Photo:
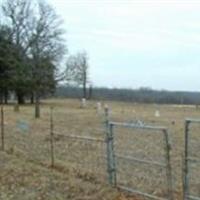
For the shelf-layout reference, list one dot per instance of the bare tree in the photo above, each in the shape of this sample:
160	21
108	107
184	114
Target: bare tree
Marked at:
46	50
77	71
38	37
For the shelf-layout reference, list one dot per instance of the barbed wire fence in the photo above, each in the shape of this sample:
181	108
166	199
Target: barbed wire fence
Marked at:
132	156
55	148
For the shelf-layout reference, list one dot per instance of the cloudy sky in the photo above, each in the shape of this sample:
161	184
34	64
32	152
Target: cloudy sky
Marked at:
134	43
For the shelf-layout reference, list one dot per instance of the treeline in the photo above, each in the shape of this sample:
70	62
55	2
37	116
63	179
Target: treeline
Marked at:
142	95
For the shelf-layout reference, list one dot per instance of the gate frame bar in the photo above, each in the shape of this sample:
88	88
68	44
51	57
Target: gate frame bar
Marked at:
167	165
187	160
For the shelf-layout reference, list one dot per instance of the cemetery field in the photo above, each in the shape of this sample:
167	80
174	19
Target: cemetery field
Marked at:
79	163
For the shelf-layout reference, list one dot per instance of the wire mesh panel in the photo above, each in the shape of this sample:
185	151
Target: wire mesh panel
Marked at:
192	159
84	154
142	159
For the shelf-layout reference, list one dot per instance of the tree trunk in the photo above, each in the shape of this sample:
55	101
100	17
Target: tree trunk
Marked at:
1	97
32	98
90	92
6	96
20	98
37	105
84	91
84	85
16	107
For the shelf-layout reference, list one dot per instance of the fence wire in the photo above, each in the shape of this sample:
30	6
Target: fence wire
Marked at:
138	153
31	140
85	154
32	146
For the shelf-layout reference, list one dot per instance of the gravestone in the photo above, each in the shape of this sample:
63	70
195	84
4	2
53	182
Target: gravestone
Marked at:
157	113
83	103
12	97
23	126
99	108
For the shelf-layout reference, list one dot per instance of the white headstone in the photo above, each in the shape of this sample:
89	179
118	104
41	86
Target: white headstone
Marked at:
157	113
12	96
83	103
99	107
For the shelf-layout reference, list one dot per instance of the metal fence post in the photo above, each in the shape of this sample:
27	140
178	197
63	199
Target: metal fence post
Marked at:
186	172
168	164
110	150
112	156
52	137
108	145
2	128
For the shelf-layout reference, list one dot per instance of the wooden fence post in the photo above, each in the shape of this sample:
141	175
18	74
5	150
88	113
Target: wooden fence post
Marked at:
52	137
168	165
2	128
110	149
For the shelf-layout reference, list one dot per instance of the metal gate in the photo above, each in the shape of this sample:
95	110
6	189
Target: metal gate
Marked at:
192	160
126	160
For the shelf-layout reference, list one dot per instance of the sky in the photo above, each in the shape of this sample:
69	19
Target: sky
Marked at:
136	43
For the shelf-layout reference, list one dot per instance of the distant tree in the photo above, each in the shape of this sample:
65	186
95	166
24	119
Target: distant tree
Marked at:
77	71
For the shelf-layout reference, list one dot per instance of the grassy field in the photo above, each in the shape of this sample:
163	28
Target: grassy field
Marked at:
80	165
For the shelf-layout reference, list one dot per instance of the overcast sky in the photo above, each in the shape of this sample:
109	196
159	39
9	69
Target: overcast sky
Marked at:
134	43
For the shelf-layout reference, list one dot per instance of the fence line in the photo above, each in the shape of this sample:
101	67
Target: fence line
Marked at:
76	149
103	153
78	137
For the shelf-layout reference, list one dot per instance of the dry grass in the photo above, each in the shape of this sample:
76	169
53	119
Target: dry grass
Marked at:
80	173
22	180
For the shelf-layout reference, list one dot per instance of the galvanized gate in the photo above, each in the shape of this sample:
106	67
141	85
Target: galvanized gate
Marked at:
192	160
126	160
